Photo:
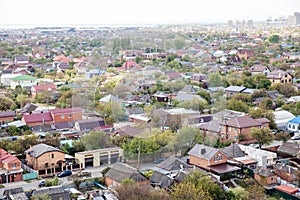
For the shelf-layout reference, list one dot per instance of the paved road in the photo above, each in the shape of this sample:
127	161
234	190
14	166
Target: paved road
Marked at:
33	184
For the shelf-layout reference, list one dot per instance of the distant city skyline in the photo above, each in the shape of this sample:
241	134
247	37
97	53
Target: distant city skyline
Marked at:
63	12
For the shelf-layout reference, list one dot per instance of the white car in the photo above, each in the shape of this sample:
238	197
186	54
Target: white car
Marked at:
295	137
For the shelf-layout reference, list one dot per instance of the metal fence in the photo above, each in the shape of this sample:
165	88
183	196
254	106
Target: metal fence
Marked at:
30	173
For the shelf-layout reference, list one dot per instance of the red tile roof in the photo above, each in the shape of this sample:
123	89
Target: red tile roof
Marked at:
65	110
44	87
287	189
37	117
129	63
6	157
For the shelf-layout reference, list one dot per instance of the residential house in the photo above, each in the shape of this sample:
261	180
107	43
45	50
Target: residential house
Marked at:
293	99
15	193
285	172
177	117
227	114
189	97
139	118
197	78
127	131
160	97
39	89
264	158
21	60
259	69
281	118
289	149
66	114
293	124
211	130
232	90
233	151
121	171
10	166
6	117
37	118
279	76
89	124
210	159
22	80
238	128
245	53
190	89
265	176
55	192
6	77
109	99
173	75
170	171
45	159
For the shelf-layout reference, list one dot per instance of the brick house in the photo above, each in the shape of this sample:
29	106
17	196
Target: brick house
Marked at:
265	176
10	167
45	159
286	172
205	156
279	76
37	119
38	89
66	114
7	117
232	128
121	171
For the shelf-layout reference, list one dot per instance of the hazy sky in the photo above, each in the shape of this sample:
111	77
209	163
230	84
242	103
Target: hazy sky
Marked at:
140	11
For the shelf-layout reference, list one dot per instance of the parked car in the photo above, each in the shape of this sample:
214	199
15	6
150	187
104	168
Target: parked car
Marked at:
295	137
42	183
64	173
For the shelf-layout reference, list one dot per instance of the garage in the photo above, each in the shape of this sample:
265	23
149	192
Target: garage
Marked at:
114	158
89	162
104	160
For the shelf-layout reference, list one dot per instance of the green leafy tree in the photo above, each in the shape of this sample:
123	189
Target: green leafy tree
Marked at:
6	103
129	189
274	39
215	80
282	136
179	43
240	193
237	105
96	140
260	113
41	197
188	191
262	135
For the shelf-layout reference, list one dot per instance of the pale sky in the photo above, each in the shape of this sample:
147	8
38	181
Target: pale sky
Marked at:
61	12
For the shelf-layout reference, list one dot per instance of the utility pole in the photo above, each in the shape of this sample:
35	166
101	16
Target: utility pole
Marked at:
139	154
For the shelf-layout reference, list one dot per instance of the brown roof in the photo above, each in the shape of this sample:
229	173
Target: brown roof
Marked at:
128	131
242	122
277	74
224	168
287	189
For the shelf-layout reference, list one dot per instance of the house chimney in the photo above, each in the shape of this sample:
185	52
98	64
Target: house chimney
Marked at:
203	151
30	148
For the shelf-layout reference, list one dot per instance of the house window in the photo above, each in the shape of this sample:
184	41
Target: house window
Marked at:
235	130
272	179
62	116
229	128
216	158
46	165
70	115
52	155
220	157
235	137
14	165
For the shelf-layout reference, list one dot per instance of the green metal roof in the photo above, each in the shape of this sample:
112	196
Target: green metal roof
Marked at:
23	78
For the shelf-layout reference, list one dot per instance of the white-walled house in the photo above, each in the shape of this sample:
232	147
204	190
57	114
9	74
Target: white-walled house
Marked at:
281	119
23	81
262	156
5	79
293	124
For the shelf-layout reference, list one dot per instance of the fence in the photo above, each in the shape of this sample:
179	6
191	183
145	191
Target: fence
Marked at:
32	174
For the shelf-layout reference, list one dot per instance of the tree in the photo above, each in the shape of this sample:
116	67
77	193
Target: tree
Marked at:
240	193
260	113
96	140
282	136
6	103
179	43
256	192
129	189
274	38
262	135
187	137
237	105
188	191
266	103
41	197
215	80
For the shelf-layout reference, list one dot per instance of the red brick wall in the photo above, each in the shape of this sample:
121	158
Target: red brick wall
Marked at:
66	118
6	119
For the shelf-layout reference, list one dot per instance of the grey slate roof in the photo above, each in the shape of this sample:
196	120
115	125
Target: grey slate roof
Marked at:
235	88
172	163
265	172
56	192
289	148
88	124
162	180
188	97
233	151
203	151
121	171
7	114
40	149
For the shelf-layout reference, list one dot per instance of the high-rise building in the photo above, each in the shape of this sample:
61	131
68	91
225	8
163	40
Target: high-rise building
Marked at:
297	18
290	20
